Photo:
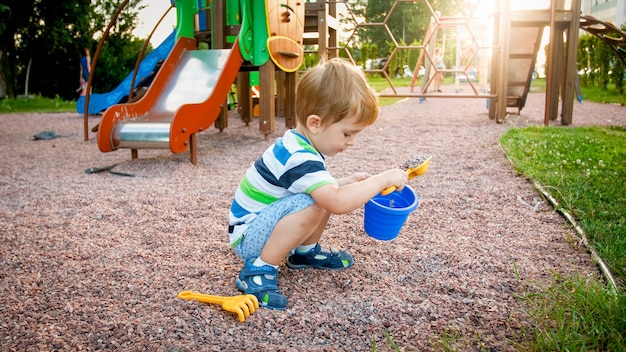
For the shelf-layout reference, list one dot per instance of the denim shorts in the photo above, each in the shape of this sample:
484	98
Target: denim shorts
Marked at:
260	229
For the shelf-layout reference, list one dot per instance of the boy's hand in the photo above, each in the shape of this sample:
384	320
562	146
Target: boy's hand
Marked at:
395	177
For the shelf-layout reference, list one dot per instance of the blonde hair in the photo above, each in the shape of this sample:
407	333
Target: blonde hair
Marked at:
333	90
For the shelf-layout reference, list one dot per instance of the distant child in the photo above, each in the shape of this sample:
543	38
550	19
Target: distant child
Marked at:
440	65
85	67
286	197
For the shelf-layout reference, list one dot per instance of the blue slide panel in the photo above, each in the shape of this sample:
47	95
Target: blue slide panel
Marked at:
101	102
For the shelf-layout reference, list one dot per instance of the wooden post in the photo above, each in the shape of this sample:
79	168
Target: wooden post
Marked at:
549	73
280	92
569	90
218	40
290	99
552	81
244	98
322	30
503	58
331	28
266	101
495	62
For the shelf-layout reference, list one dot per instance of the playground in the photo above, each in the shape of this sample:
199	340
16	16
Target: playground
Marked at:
95	261
186	85
98	244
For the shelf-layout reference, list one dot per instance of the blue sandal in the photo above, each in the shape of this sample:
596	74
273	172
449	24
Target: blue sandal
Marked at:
319	259
267	291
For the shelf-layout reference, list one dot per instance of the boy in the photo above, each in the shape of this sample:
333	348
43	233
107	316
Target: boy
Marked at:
287	196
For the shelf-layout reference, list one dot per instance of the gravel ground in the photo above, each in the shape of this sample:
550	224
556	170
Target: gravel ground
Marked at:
95	261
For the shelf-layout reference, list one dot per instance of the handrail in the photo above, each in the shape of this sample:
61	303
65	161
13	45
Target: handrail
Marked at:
97	55
93	66
143	51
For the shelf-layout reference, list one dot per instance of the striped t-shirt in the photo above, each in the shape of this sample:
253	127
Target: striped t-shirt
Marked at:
291	165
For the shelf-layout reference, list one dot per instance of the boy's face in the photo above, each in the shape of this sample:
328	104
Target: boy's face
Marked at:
334	138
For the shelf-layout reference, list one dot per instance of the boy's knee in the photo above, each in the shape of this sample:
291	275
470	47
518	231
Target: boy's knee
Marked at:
319	215
319	212
313	215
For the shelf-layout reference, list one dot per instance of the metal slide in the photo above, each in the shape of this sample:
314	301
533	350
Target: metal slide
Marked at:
185	97
100	102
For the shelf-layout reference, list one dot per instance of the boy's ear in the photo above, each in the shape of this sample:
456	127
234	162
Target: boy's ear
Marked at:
313	123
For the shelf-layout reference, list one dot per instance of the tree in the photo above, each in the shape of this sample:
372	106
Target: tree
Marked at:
583	64
119	55
13	14
408	22
598	65
49	36
51	43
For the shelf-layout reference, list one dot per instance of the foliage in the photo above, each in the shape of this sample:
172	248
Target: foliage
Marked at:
42	41
395	32
584	169
598	65
118	59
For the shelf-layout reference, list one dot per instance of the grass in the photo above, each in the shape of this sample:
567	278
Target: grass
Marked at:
575	314
605	96
379	84
36	103
583	168
610	95
391	345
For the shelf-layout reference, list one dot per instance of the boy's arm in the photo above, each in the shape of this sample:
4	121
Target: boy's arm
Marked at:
357	177
348	197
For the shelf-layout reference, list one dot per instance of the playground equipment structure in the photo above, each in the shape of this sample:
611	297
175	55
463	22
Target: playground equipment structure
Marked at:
504	79
189	91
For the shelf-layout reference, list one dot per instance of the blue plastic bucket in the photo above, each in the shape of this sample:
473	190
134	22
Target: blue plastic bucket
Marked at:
384	216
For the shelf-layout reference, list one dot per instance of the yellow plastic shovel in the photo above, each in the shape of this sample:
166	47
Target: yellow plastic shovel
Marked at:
415	167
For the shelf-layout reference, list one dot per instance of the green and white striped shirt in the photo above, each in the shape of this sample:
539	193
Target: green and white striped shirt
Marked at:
289	166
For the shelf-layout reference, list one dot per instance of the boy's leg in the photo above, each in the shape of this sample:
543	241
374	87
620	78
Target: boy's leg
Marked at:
303	227
276	231
261	281
281	227
315	256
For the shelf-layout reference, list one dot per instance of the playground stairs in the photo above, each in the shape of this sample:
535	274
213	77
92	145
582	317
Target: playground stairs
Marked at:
525	38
